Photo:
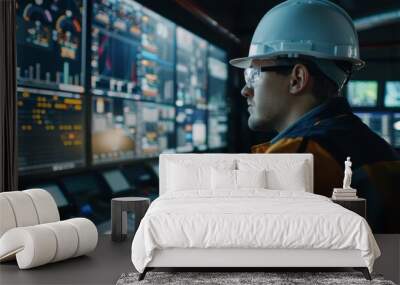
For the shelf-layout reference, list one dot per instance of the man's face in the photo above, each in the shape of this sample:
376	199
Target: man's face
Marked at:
266	100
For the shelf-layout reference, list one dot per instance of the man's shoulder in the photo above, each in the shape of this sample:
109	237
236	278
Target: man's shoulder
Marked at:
351	137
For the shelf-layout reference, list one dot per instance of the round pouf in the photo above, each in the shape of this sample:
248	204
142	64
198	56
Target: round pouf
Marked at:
119	208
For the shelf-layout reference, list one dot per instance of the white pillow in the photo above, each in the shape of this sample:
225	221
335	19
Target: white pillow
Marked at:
281	175
223	179
236	179
186	175
183	177
294	179
251	178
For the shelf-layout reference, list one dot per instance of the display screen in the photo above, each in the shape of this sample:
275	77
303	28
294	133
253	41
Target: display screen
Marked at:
184	129
377	122
50	130
191	129
362	93
116	180
217	101
152	87
139	176
156	129
132	52
81	184
56	193
49	44
191	69
114	128
392	94
396	130
199	129
154	166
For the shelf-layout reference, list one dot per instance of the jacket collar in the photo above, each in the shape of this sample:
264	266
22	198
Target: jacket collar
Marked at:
331	108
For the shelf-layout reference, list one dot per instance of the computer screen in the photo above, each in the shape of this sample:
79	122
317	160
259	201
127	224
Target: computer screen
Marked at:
148	130
55	192
116	180
217	101
157	58
132	52
50	130
85	192
362	93
114	128
111	75
139	176
396	130
81	184
166	128
49	44
155	167
199	129
191	69
156	129
392	94
184	129
152	87
379	122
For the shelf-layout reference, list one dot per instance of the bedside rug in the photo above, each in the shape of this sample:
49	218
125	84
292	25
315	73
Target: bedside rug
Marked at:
275	278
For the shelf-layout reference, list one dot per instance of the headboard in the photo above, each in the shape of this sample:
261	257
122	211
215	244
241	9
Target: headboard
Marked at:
209	159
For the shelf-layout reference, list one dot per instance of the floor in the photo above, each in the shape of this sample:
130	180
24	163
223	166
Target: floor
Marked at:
389	262
103	266
111	259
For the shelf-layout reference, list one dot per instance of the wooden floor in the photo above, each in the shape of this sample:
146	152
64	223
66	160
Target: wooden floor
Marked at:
110	259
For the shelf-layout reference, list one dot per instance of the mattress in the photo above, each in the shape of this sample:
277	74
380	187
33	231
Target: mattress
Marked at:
251	219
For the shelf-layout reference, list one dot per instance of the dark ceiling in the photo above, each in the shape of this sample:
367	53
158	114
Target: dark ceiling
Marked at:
241	17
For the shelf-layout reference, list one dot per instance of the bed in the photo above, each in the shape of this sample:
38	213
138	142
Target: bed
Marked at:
246	211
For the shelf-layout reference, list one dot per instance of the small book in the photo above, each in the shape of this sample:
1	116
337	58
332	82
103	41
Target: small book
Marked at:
344	197
341	190
345	194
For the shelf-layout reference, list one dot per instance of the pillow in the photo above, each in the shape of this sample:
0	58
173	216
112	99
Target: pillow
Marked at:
188	175
280	175
236	179
292	180
223	179
183	177
251	178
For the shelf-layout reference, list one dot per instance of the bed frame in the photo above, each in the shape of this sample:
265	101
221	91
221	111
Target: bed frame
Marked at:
246	258
242	259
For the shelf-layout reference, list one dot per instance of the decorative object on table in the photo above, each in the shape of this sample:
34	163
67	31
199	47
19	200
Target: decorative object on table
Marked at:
345	193
119	219
243	278
31	231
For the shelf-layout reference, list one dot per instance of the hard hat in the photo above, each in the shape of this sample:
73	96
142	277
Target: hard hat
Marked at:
317	29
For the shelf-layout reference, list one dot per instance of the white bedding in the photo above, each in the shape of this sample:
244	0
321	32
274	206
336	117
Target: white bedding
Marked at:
252	218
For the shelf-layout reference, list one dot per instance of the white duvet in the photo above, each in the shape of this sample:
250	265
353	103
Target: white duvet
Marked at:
253	218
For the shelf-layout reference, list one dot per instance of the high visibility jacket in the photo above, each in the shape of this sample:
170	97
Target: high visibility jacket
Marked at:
331	132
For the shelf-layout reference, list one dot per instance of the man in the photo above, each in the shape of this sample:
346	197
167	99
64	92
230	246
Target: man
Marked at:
302	54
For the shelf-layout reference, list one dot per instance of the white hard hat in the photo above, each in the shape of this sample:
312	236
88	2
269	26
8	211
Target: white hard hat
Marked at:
317	29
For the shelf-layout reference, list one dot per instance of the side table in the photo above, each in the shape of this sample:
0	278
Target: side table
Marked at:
119	219
358	205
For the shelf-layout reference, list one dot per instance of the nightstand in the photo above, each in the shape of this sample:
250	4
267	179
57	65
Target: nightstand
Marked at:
358	205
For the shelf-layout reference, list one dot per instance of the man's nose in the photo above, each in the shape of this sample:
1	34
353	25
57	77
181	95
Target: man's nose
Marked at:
247	91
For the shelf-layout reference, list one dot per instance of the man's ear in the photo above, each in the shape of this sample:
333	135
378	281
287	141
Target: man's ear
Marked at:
299	79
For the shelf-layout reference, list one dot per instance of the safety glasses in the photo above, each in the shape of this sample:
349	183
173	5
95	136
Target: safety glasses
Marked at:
252	75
